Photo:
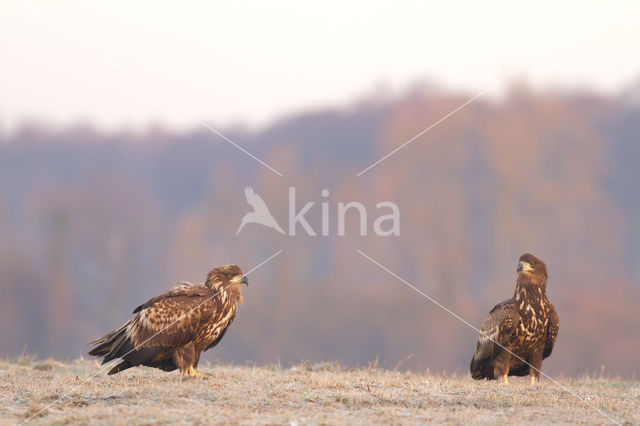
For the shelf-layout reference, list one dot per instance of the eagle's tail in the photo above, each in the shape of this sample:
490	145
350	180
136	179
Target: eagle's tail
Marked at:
118	345
114	345
120	367
481	366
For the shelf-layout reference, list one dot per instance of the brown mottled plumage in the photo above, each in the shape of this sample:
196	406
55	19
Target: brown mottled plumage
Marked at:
527	325
171	330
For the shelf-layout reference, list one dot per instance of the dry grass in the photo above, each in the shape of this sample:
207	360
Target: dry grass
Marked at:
303	394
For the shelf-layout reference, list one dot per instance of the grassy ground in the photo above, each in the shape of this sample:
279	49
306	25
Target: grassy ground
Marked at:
303	394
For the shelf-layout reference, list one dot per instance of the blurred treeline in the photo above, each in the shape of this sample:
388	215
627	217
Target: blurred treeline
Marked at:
93	224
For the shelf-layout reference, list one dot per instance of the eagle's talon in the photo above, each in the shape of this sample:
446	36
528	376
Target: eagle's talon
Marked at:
191	372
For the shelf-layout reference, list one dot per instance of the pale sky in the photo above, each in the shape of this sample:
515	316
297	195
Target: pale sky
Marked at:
129	63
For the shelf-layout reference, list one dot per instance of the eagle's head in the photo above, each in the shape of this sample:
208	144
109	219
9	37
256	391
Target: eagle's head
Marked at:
228	276
530	265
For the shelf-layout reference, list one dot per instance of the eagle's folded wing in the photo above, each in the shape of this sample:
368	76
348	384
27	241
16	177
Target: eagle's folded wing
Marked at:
552	332
496	329
182	288
172	318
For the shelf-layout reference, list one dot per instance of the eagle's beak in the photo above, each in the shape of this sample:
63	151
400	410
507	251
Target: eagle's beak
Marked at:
245	280
524	266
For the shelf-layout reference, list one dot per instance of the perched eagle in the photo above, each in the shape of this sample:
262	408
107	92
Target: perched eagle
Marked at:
525	326
172	329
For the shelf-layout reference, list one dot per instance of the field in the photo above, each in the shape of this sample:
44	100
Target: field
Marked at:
300	394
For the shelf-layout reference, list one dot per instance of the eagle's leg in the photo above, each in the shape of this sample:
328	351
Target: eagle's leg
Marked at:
185	358
501	365
506	380
535	364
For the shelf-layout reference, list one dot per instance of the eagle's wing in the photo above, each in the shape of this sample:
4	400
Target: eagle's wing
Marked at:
254	200
552	332
496	329
172	318
182	288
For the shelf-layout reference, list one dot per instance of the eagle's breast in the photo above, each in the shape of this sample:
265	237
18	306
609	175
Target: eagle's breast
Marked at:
219	314
532	307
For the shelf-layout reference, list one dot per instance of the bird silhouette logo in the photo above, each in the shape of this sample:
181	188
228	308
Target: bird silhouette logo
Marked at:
260	213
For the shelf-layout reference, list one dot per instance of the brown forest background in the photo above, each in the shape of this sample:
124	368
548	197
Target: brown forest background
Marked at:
93	224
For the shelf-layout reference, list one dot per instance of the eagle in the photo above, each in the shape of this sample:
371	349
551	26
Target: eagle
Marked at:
172	329
519	332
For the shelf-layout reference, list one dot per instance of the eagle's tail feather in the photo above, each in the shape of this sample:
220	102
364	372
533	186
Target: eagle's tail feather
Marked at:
114	345
100	350
479	370
120	367
108	345
118	345
481	366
